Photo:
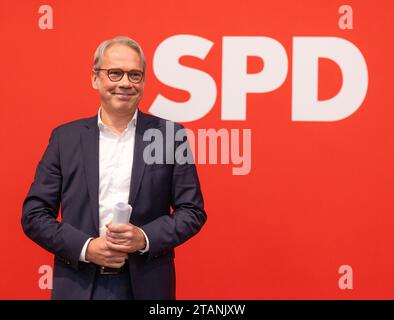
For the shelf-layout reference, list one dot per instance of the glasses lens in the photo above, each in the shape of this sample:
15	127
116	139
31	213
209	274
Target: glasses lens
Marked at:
115	74
135	76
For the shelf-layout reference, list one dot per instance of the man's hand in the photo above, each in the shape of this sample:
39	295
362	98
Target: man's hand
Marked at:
99	253
126	238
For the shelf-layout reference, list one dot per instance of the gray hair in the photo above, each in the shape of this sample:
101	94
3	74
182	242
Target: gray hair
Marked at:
98	55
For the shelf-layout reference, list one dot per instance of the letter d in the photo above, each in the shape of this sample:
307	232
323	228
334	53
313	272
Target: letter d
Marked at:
306	54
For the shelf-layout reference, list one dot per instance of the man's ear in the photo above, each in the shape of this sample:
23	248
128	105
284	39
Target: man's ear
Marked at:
94	80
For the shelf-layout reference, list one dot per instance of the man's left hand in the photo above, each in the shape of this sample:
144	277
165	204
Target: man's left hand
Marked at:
125	237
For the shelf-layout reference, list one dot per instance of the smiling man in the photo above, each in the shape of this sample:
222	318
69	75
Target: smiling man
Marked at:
94	163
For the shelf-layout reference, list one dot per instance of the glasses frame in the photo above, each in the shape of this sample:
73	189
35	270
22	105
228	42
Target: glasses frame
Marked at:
128	74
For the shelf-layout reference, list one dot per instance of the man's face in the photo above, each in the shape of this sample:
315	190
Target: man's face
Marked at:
121	97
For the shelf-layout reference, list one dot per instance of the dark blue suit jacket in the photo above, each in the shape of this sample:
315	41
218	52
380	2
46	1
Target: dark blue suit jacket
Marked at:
68	176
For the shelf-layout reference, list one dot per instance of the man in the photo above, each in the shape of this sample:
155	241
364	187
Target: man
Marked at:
94	163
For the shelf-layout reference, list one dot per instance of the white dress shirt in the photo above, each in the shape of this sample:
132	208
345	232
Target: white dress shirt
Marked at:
115	165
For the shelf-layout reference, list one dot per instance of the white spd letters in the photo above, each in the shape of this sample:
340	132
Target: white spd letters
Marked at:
236	83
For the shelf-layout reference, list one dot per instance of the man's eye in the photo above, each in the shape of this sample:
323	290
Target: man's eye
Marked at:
135	75
115	73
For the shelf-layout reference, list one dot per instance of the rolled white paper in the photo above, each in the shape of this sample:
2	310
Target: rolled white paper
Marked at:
121	213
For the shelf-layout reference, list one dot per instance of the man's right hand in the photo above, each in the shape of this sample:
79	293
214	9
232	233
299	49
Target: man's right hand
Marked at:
98	253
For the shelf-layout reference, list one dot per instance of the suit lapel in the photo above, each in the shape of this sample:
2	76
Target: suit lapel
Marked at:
144	122
90	153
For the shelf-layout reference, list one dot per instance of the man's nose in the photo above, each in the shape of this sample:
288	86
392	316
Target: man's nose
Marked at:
125	82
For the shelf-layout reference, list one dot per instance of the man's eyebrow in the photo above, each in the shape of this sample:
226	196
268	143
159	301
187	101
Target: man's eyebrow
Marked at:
117	68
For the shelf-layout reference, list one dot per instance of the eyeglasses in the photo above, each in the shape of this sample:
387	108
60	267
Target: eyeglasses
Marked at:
115	75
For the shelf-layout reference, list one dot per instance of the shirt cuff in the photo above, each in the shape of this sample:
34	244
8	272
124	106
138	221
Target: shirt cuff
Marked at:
82	256
146	241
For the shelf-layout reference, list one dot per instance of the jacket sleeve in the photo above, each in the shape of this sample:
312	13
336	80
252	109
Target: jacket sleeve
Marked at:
188	216
41	209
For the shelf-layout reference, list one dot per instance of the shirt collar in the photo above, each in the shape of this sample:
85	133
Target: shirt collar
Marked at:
132	122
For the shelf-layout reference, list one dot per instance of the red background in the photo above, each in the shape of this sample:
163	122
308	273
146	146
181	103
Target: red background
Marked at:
319	195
